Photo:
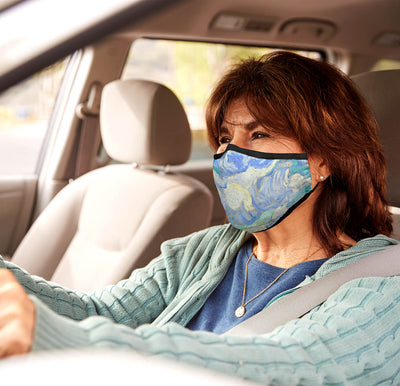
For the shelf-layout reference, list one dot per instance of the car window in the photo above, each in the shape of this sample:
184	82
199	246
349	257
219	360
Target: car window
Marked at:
25	110
386	64
190	69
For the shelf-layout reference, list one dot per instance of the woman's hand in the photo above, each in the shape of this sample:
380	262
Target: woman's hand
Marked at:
17	317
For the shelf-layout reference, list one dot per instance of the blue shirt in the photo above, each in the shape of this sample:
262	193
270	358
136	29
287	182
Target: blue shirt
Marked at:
218	313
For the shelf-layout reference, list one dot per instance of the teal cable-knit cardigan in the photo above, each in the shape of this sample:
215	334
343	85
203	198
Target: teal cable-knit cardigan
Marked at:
354	337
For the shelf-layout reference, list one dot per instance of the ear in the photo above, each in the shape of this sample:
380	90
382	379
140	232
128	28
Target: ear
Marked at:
318	168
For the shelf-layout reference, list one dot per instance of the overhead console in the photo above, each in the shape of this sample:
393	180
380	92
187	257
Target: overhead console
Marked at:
309	30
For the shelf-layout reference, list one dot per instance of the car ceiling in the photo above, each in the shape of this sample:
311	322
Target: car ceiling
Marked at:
365	27
360	27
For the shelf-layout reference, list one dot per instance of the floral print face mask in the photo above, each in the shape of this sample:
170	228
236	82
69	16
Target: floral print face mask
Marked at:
258	190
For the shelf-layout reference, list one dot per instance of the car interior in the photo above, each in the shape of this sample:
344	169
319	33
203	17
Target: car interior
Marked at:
123	165
113	219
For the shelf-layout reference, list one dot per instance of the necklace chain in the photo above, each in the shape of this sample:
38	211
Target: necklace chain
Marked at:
241	310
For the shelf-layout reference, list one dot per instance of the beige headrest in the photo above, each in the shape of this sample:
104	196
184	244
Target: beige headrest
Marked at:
144	122
381	89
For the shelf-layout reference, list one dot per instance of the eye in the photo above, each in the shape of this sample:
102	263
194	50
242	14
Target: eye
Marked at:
260	135
224	140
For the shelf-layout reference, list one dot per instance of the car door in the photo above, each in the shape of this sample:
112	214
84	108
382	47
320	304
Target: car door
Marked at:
25	111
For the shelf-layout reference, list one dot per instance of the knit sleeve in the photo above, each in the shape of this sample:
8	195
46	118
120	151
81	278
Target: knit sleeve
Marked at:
137	300
352	338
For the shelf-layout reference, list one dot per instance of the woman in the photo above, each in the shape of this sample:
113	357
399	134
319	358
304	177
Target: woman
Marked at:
301	175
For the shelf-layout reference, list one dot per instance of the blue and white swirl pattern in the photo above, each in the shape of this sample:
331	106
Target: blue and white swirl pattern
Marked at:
257	192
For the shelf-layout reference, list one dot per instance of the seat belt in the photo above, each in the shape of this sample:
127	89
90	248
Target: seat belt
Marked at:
298	303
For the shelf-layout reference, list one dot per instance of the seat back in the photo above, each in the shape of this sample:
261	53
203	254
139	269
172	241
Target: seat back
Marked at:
381	89
113	219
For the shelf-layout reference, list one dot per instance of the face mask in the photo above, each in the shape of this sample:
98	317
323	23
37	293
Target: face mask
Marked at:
258	190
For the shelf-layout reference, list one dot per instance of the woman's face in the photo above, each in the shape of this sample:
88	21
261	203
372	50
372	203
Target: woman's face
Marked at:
240	129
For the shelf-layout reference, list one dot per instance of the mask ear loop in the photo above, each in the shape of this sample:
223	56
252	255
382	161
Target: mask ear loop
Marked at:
292	208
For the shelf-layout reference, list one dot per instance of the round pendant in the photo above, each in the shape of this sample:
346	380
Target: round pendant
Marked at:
240	311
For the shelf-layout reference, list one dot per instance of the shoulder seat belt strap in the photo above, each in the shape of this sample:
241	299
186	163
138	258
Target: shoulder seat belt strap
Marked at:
296	304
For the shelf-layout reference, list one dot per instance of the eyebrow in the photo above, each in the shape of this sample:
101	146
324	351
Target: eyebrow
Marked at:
251	125
248	125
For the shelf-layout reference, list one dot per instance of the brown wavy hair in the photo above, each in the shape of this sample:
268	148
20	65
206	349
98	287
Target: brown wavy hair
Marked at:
316	104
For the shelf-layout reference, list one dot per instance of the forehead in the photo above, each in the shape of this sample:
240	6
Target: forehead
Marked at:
238	114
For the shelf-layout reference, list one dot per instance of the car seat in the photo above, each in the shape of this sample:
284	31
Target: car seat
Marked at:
113	219
381	89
